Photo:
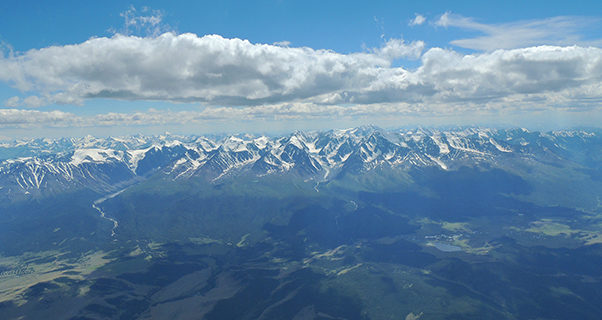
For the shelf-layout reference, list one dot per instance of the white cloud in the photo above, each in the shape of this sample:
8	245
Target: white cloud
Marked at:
18	118
144	21
549	73
34	102
280	113
282	43
418	20
12	102
27	118
397	48
186	67
29	102
219	72
560	31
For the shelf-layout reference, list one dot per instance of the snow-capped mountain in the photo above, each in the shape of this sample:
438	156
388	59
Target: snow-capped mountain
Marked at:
51	165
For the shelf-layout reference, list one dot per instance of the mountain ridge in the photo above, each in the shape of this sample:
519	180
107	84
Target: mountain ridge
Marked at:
36	166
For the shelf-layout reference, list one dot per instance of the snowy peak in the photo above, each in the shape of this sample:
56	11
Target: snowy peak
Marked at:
101	163
96	156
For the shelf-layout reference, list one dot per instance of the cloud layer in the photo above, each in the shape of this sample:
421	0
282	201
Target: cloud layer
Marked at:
220	72
19	118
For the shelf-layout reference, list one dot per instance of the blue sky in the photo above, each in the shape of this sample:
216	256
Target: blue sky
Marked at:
72	66
343	26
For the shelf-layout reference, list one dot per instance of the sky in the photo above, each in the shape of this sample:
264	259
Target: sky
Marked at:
115	68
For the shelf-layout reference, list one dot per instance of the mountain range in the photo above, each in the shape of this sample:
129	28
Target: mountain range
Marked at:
39	167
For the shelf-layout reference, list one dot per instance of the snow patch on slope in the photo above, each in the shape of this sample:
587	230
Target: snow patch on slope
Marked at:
498	146
95	155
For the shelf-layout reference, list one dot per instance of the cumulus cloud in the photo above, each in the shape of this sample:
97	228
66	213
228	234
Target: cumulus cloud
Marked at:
418	20
506	73
547	73
34	102
12	102
561	31
28	102
186	67
219	72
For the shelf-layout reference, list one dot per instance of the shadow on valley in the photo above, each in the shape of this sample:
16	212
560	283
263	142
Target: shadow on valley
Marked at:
537	282
466	193
40	225
330	227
